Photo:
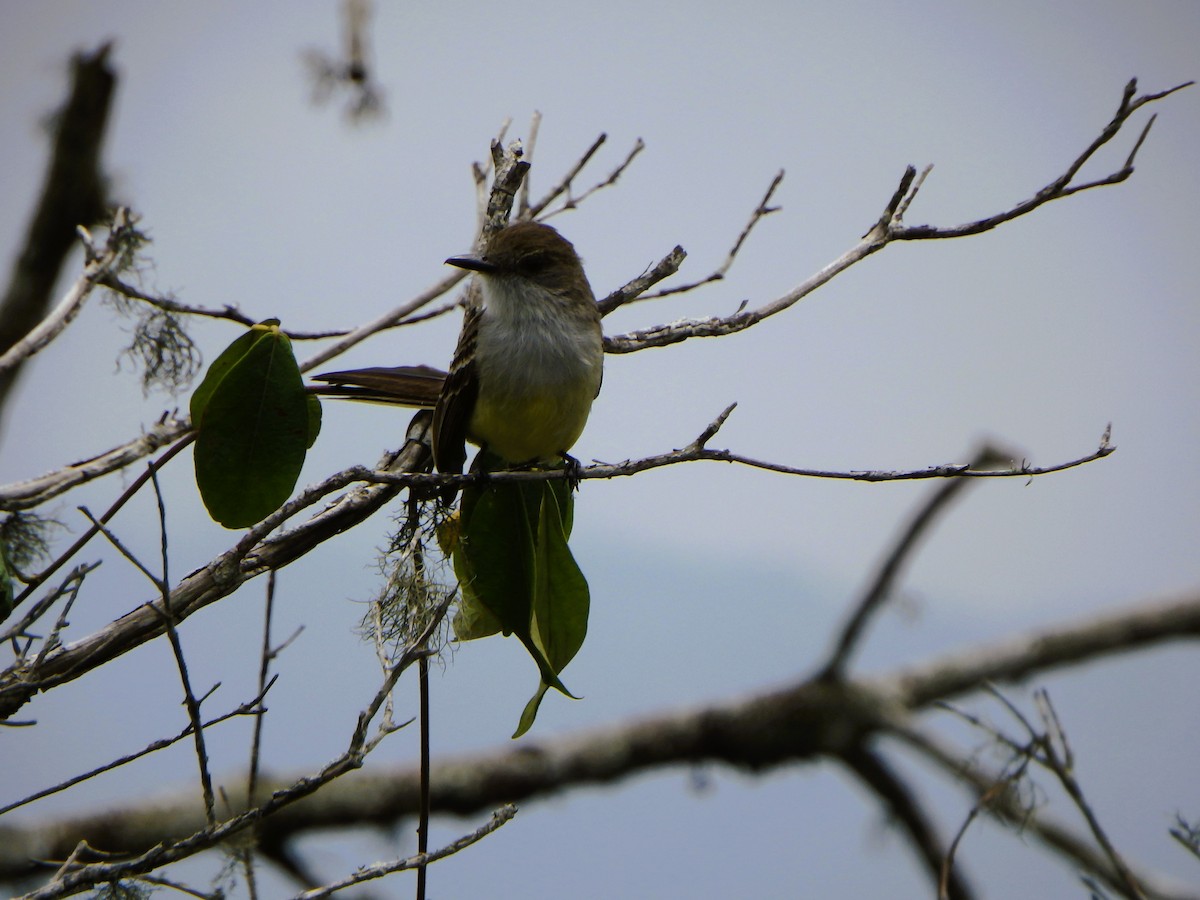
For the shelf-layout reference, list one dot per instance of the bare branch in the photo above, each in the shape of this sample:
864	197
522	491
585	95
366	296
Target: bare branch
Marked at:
75	875
251	707
694	453
535	125
896	796
573	202
664	268
510	170
1013	660
886	230
35	491
254	555
985	801
99	264
564	186
35	582
1062	765
1061	186
68	588
250	557
996	794
378	870
805	721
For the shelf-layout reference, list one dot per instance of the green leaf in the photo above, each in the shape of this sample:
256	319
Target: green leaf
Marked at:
561	598
472	620
495	564
529	713
220	367
517	575
253	423
495	558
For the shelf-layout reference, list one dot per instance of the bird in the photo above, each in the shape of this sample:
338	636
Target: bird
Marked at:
528	363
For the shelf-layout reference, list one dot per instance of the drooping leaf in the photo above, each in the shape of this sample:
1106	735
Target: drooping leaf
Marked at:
529	713
561	598
495	562
495	554
253	422
517	575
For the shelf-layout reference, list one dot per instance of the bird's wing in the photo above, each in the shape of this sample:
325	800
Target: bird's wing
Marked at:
456	404
415	386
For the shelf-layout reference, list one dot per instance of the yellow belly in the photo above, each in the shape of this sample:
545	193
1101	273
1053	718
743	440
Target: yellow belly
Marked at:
531	427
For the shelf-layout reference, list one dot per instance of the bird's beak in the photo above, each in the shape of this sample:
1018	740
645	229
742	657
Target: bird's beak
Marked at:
474	263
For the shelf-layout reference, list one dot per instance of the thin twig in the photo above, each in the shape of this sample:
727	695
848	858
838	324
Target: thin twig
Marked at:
264	678
762	210
189	696
72	881
266	654
228	312
631	290
1061	764
121	548
366	873
416	553
388	320
135	486
564	185
986	800
251	707
1061	186
886	230
69	586
535	123
1006	807
423	816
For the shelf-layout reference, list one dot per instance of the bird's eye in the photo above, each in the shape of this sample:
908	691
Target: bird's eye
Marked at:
533	263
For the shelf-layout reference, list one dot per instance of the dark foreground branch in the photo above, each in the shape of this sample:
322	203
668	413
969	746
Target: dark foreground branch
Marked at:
804	722
73	195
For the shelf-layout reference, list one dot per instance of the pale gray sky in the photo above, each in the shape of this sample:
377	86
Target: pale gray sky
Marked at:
708	581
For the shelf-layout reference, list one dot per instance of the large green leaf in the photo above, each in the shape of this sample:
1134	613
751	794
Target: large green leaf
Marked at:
254	423
495	558
517	576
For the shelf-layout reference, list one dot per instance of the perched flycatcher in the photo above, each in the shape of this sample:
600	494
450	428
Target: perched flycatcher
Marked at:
528	363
